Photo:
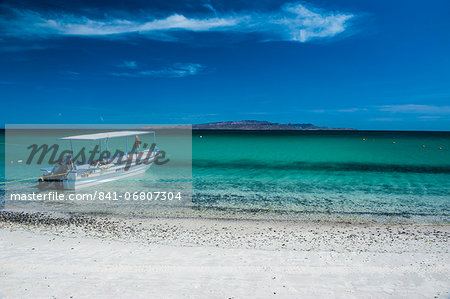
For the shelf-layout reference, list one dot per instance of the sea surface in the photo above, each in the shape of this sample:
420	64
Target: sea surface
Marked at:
343	175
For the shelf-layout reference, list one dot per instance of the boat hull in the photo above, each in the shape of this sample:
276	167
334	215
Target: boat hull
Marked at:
77	182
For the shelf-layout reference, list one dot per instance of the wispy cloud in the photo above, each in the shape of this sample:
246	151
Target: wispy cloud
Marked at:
70	73
292	22
419	109
429	110
176	70
383	119
128	64
6	83
355	109
429	117
339	110
317	111
211	8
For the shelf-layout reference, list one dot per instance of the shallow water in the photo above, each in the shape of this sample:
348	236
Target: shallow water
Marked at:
401	176
389	174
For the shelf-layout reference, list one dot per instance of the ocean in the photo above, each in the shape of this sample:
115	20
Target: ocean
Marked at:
317	175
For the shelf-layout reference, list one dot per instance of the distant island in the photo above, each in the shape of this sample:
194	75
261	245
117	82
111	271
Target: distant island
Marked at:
259	125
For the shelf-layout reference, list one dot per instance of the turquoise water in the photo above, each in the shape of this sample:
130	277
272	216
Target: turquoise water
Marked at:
366	174
389	175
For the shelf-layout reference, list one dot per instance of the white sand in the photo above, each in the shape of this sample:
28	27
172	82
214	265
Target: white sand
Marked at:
40	263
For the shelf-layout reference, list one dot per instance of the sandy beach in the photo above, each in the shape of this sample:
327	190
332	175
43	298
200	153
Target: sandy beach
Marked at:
46	256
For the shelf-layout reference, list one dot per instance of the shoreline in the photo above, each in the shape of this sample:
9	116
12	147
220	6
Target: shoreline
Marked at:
231	214
238	233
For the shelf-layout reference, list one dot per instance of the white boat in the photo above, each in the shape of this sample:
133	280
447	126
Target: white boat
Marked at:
67	174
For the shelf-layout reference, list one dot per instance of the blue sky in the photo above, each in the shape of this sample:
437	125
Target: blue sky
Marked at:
362	64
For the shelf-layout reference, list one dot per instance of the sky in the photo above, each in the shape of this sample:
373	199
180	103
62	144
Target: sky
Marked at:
376	65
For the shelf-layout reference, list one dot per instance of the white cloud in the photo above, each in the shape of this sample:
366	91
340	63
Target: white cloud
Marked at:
293	22
176	70
305	24
87	27
419	109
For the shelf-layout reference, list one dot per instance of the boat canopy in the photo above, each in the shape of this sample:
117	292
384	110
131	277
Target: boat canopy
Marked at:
99	136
